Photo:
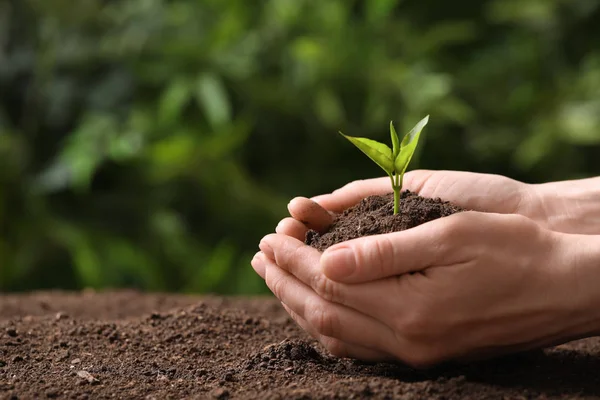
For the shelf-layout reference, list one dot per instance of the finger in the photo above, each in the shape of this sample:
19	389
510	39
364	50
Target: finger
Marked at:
302	323
310	214
304	263
258	264
286	250
445	241
327	319
293	228
340	348
352	193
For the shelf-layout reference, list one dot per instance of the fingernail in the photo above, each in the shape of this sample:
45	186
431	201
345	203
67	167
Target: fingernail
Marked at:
289	204
316	199
338	263
256	259
278	227
265	248
257	264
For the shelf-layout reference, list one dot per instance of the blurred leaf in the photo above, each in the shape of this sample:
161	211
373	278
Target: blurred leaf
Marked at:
580	123
279	14
246	281
379	9
170	156
329	108
135	266
536	13
424	88
89	269
173	100
213	99
212	270
84	151
449	33
536	147
125	146
226	141
307	54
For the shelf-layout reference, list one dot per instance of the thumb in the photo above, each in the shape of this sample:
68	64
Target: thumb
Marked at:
381	256
353	192
310	213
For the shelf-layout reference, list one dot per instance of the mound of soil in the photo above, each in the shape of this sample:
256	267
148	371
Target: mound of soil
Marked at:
85	346
374	215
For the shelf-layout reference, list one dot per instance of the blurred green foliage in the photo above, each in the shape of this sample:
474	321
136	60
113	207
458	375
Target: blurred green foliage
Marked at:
152	143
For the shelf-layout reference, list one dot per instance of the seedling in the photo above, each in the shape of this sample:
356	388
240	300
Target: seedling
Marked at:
393	161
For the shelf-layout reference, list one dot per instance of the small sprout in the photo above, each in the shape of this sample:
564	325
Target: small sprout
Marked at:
393	161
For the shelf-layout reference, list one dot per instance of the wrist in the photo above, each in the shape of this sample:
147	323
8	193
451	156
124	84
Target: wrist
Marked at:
568	207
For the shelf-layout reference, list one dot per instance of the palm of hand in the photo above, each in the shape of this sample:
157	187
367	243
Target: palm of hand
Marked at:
480	192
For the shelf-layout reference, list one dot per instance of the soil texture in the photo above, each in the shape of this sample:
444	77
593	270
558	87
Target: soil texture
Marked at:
97	346
374	215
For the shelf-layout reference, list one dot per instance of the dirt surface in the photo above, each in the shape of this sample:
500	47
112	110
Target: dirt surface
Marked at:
114	305
126	345
375	215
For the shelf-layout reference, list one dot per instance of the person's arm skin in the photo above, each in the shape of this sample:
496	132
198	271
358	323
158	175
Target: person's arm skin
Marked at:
568	206
468	286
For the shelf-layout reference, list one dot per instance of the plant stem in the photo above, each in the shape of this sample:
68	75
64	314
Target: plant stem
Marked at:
396	199
399	179
396	186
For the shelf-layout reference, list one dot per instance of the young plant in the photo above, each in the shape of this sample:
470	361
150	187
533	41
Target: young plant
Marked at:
393	161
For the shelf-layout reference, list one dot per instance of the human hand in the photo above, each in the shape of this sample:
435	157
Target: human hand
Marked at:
472	191
471	285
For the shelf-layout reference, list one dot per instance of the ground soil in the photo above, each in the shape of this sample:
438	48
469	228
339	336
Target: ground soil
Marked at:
375	215
130	345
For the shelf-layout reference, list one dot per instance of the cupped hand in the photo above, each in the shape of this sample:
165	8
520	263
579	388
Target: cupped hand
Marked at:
470	285
472	191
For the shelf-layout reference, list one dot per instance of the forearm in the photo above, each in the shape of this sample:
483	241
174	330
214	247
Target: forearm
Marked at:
568	206
580	257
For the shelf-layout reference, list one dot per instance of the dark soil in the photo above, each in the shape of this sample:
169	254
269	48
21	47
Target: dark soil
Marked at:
127	345
374	215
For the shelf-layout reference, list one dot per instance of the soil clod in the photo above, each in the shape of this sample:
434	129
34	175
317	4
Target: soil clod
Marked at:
220	393
87	377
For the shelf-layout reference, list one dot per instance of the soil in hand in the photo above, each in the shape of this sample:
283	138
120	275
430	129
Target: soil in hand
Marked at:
238	348
374	215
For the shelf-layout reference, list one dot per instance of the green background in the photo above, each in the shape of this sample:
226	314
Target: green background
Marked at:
152	143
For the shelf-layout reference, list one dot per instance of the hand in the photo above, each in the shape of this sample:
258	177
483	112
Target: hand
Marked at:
471	285
472	191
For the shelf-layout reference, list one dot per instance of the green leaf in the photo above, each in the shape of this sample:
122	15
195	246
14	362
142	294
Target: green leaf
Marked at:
408	146
395	141
378	152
